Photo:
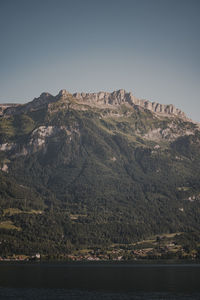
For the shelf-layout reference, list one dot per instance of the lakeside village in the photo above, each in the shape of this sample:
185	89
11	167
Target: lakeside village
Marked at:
159	247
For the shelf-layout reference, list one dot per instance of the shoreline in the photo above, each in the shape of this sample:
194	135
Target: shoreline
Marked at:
104	262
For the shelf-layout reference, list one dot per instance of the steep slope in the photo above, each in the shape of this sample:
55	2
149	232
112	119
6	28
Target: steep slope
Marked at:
103	168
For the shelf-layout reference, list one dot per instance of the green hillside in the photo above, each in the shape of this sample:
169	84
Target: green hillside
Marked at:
74	175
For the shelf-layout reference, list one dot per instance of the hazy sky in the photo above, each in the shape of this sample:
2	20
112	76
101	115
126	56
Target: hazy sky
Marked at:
149	47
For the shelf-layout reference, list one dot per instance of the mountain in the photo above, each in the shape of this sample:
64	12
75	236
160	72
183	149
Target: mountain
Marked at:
94	169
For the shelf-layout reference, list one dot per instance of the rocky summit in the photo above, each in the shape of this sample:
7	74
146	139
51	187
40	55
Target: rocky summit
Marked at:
122	97
95	169
100	99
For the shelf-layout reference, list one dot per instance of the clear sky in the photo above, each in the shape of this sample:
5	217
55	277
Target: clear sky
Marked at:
149	47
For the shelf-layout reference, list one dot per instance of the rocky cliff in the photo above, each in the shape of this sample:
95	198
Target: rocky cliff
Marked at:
122	97
100	99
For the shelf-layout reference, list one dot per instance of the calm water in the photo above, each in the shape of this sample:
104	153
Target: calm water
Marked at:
99	281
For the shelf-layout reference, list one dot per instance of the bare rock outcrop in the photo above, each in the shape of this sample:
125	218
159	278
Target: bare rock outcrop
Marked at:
115	98
122	97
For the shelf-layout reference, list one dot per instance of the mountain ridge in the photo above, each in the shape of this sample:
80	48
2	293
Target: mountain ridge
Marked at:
114	98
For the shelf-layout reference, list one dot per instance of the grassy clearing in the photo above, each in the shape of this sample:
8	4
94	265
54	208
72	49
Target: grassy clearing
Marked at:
11	211
170	235
9	226
76	216
14	211
33	211
150	241
183	188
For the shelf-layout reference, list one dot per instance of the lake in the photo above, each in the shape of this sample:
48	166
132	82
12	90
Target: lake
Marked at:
99	281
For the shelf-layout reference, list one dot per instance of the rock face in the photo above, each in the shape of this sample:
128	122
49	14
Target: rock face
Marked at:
102	98
122	97
63	94
6	146
169	109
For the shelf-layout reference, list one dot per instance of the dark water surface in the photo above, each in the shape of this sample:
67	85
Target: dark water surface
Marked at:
99	281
